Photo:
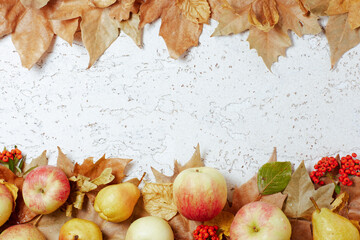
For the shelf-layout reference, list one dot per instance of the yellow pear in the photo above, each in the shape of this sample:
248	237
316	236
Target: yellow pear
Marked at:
328	225
80	229
115	203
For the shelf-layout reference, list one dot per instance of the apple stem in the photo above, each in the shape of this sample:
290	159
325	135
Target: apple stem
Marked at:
258	198
141	178
315	204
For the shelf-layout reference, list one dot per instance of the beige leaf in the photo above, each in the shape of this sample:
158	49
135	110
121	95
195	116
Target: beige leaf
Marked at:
293	18
121	9
98	32
65	28
197	11
276	199
338	7
37	162
299	191
37	4
158	200
354	14
263	14
131	28
65	164
65	9
269	45
51	224
223	221
104	178
101	3
317	7
340	36
32	37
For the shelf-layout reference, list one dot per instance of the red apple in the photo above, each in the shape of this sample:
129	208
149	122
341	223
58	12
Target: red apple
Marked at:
260	221
22	232
200	193
45	189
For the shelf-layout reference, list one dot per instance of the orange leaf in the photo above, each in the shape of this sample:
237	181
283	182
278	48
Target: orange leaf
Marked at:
98	32
65	9
10	10
269	45
65	28
121	9
151	10
197	11
32	37
37	4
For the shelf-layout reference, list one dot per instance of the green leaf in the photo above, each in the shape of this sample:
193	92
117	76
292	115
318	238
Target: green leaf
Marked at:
11	165
337	189
273	177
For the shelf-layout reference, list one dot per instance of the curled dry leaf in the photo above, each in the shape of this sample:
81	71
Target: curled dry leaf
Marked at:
37	4
299	191
183	228
32	36
340	202
65	164
158	200
197	11
263	14
98	32
300	229
195	161
223	221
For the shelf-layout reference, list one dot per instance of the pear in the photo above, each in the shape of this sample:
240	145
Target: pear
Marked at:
115	203
328	225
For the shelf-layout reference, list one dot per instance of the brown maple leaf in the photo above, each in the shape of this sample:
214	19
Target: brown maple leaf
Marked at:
181	26
195	161
340	36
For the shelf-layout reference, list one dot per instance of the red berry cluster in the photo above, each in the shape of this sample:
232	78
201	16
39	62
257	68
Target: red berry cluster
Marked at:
326	164
204	232
349	166
13	154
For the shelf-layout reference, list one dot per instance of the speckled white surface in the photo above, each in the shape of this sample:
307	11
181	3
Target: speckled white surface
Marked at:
143	105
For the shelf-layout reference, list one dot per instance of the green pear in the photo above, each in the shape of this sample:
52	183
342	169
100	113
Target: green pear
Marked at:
328	225
115	203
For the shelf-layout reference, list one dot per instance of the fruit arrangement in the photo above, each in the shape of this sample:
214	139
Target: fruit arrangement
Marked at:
92	201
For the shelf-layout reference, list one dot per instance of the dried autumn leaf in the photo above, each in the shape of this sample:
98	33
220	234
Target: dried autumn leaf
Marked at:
22	213
122	9
354	199
65	28
223	221
65	9
352	7
273	177
176	29
131	28
183	228
32	36
299	191
10	177
37	162
340	36
105	177
195	161
37	4
340	202
50	224
98	32
269	45
101	3
276	199
263	14
158	200
197	11
65	164
12	188
317	7
10	11
300	229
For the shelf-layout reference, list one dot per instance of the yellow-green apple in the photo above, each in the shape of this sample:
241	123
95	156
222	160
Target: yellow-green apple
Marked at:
22	232
260	221
80	229
6	204
149	228
45	189
200	193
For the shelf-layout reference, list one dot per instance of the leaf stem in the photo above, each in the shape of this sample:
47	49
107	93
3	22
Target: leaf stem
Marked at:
141	178
315	204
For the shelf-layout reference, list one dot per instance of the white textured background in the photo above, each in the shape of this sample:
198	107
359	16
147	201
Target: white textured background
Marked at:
143	105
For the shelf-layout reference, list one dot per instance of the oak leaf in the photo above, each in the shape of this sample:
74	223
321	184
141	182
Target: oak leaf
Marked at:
158	200
299	191
195	161
223	220
32	36
300	229
183	228
98	32
177	30
340	36
197	11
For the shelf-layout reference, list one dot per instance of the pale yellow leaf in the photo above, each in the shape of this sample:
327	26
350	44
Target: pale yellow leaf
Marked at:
104	178
158	200
340	202
197	11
